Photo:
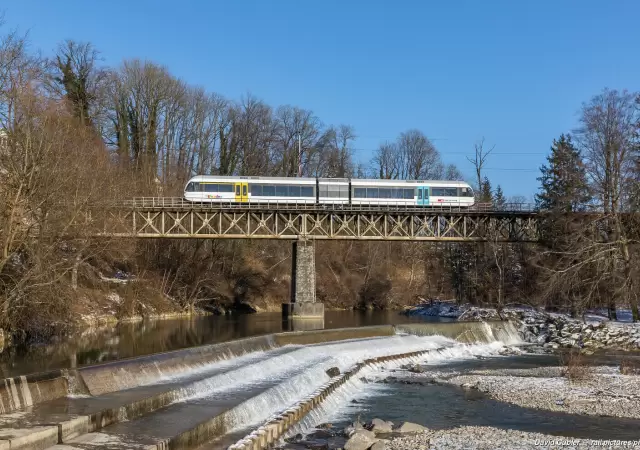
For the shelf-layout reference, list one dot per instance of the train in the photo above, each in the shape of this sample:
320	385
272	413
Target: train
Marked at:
330	191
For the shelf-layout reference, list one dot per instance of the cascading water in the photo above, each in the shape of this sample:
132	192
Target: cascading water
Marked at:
478	339
340	405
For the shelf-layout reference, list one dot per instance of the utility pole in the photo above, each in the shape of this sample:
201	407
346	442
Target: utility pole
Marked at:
299	155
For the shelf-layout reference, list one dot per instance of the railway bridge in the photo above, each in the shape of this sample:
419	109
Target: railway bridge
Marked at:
303	224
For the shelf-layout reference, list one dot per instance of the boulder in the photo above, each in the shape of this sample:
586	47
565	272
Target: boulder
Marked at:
380	445
380	426
333	372
360	440
408	427
351	429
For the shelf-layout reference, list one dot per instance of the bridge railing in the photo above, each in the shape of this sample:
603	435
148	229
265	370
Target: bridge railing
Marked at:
182	204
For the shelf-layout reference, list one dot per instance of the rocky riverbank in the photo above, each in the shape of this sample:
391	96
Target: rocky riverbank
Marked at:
551	330
383	435
488	438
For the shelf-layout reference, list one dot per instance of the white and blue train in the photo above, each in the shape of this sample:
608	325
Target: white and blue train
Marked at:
336	191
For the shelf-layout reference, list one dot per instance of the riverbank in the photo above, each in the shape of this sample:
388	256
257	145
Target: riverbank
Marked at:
553	331
487	438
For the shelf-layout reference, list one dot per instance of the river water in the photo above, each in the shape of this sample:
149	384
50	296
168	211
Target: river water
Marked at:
128	340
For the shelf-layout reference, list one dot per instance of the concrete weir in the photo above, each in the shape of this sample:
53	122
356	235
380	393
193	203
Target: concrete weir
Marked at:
190	397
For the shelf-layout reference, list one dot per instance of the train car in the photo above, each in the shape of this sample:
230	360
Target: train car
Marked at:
325	191
223	189
411	192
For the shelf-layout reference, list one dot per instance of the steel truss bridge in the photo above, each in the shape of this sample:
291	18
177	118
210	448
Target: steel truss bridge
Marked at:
177	218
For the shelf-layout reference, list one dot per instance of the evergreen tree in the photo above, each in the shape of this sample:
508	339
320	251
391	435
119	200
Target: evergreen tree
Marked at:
498	198
485	195
563	181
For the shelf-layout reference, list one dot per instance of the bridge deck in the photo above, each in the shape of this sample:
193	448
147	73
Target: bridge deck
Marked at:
180	204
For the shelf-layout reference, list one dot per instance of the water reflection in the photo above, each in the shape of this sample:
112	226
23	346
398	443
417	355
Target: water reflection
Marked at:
296	324
141	338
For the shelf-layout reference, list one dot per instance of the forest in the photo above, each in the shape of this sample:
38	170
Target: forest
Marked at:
75	133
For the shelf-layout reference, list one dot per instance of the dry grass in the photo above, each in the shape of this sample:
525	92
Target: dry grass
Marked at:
574	366
630	367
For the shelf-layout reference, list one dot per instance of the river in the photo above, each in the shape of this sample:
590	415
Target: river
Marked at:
128	340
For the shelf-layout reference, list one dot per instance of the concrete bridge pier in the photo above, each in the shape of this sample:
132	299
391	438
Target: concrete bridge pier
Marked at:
303	283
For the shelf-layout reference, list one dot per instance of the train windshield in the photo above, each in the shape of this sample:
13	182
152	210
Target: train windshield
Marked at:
193	187
466	192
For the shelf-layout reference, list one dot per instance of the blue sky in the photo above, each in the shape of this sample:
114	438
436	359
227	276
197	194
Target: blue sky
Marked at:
515	72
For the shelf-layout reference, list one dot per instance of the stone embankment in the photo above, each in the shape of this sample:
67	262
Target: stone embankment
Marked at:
550	330
563	332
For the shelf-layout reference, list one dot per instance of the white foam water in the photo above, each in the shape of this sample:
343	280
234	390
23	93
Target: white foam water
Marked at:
339	406
303	369
290	391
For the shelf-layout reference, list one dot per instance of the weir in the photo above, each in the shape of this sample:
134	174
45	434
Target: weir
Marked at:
303	283
214	395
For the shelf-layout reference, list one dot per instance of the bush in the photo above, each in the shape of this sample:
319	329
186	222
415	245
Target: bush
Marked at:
574	366
630	366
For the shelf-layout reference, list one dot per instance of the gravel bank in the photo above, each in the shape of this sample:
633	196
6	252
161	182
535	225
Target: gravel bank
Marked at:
490	438
604	392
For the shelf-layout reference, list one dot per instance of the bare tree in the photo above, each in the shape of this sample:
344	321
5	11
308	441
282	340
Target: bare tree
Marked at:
298	130
387	161
333	157
608	137
478	161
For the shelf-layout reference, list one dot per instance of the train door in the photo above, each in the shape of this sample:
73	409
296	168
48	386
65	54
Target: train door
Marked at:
423	195
242	192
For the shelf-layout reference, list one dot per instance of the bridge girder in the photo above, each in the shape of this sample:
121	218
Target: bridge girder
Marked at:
421	225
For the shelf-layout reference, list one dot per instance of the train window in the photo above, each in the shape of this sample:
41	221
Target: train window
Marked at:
210	187
451	192
294	191
419	194
359	192
256	190
237	189
225	188
191	187
268	190
438	192
281	190
306	191
244	190
372	192
344	191
384	193
409	193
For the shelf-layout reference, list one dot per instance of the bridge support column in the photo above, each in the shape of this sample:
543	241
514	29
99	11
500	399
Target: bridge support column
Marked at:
303	283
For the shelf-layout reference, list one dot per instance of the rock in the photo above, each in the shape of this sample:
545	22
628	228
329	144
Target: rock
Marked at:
354	427
360	440
408	427
333	372
380	445
380	426
416	369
